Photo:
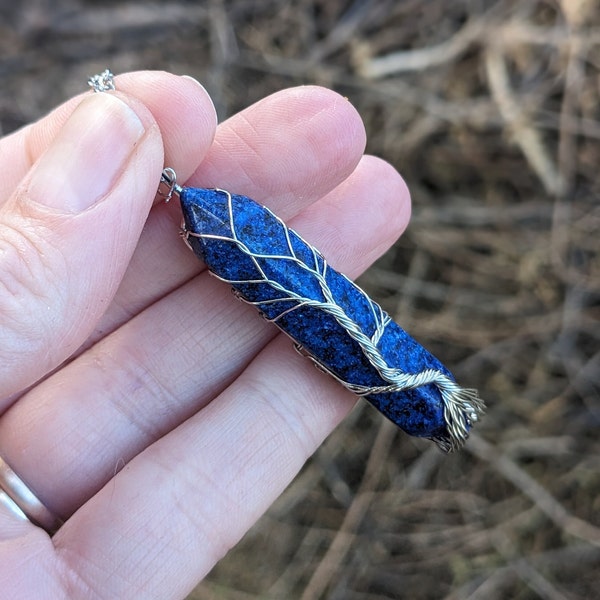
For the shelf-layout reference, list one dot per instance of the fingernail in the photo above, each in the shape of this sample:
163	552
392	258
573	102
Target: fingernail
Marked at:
190	78
201	87
88	154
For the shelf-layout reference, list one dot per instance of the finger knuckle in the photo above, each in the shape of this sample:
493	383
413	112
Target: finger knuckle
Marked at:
28	265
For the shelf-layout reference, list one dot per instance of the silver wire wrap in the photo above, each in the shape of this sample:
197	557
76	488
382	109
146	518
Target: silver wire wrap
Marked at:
462	407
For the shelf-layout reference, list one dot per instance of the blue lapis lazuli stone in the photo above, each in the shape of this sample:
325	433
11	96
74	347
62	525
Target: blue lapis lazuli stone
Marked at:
270	266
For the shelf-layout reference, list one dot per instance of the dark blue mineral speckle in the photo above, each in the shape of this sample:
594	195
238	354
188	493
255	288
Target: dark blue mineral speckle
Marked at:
418	411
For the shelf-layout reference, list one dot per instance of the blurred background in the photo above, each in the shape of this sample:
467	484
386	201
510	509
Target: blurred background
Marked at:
489	108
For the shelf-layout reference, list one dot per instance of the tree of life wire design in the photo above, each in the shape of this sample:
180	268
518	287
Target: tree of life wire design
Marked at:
462	406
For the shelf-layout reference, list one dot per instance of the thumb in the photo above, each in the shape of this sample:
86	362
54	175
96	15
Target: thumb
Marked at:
67	234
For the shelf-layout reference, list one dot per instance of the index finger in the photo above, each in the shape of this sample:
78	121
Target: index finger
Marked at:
180	105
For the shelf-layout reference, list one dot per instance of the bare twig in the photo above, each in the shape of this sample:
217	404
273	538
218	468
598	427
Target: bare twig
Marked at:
523	132
423	58
343	540
538	494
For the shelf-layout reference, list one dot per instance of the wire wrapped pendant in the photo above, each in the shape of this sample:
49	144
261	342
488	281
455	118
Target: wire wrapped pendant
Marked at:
331	320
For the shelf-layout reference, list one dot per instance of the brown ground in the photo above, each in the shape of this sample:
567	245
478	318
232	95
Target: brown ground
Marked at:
490	110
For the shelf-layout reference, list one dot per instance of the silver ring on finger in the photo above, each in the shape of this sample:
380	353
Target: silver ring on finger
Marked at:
22	502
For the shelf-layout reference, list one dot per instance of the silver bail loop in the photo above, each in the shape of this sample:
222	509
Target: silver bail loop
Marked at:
168	180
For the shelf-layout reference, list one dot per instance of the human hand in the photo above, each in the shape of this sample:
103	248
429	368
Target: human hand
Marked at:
154	413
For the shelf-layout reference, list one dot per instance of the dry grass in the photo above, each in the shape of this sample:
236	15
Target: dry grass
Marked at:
490	109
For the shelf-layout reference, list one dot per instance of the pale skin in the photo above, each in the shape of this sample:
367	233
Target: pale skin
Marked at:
157	415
